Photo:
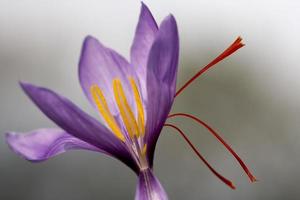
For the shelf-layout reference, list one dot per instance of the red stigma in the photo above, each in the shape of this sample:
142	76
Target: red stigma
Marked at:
231	49
222	178
215	134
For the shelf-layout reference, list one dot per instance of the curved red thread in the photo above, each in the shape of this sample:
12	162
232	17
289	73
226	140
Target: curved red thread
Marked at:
214	133
231	49
222	178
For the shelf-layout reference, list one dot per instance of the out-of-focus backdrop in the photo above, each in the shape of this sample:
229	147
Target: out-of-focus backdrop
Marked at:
251	98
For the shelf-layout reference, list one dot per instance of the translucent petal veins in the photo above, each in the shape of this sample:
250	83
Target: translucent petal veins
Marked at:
102	106
214	133
222	178
125	110
231	49
139	105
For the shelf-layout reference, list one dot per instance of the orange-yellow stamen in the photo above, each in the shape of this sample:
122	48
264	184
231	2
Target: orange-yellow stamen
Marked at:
125	110
139	105
144	150
102	106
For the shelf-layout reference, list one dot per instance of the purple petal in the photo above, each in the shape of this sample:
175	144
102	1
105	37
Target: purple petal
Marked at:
42	144
100	65
77	123
144	36
161	80
163	57
158	109
149	188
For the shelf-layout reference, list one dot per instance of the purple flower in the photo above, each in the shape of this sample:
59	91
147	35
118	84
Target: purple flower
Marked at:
133	99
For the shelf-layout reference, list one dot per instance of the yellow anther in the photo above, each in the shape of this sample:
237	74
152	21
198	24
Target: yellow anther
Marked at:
139	105
102	106
125	110
144	150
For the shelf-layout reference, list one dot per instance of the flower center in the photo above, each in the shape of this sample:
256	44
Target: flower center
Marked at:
133	137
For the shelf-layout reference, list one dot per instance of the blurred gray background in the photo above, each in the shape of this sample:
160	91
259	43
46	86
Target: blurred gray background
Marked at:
252	98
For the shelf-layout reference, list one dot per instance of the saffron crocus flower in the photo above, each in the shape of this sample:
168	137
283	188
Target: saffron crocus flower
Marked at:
133	99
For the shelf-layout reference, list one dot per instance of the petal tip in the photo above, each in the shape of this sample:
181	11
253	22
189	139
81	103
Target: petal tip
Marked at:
143	4
89	38
23	83
169	25
11	139
86	41
146	14
8	136
28	88
25	86
144	7
170	19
